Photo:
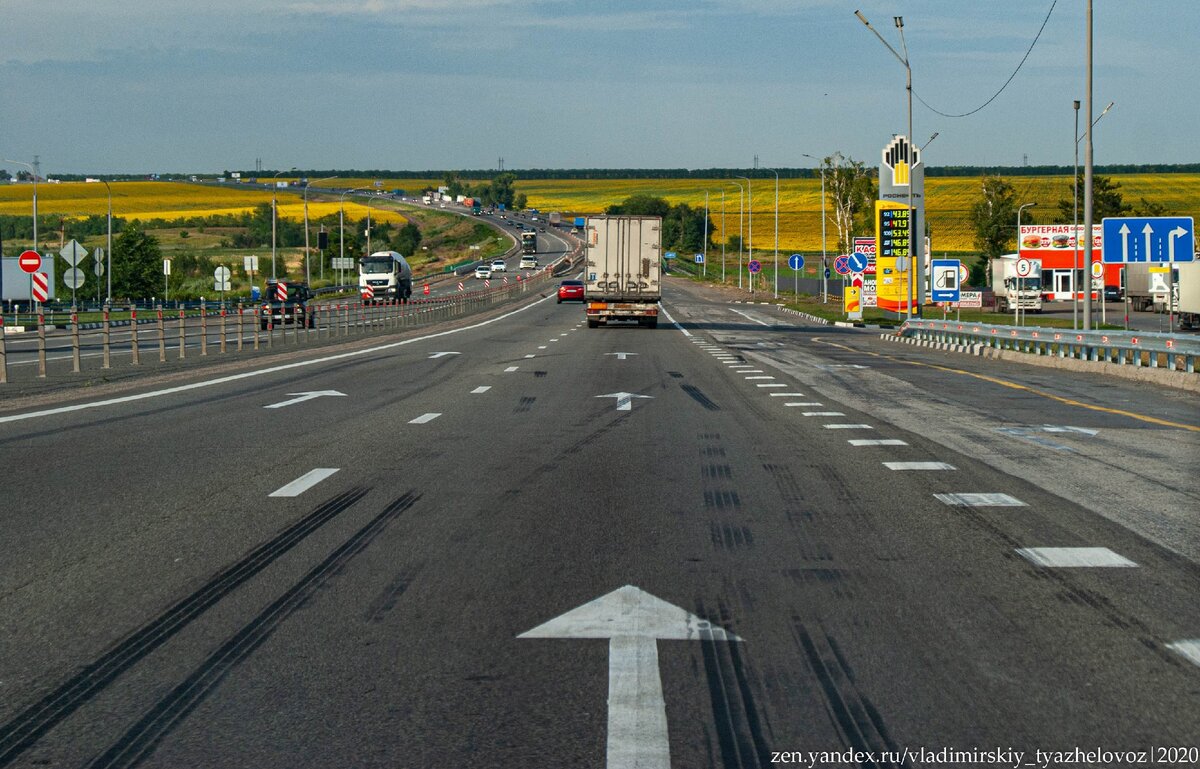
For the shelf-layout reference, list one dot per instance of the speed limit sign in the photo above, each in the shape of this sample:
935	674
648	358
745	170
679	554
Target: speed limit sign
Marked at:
1024	268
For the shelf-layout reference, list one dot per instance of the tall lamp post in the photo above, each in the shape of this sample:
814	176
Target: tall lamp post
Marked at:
307	253
775	280
912	228
824	266
274	216
1087	183
704	269
750	200
1017	307
33	174
741	228
1087	280
109	293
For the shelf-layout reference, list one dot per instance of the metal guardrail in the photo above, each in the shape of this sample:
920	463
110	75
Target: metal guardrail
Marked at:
1151	349
237	329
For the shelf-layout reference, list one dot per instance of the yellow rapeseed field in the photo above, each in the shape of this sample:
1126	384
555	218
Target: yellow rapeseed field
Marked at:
173	200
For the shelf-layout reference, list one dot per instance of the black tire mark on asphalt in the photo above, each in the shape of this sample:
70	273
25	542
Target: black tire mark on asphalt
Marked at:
28	726
141	739
739	730
700	397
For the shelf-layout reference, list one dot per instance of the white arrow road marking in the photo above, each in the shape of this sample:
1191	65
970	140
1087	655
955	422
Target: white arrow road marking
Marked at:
623	399
305	397
304	482
633	620
443	354
1190	649
1124	242
747	317
621	355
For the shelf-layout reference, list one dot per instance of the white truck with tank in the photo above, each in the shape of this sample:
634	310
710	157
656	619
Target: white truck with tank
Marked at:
1014	290
622	269
384	276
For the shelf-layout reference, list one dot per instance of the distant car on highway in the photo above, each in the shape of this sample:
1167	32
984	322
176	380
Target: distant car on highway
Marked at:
498	265
1112	294
528	262
570	291
483	271
293	310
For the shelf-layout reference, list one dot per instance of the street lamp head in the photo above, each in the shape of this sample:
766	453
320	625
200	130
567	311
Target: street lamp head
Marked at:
1076	103
862	18
899	21
1106	109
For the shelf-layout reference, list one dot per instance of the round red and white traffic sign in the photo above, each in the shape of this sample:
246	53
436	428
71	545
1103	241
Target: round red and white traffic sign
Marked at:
1024	268
30	261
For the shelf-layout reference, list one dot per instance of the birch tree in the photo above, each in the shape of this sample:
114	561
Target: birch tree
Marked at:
849	184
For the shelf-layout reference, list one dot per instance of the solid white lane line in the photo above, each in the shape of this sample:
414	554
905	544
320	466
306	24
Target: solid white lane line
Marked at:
823	414
763	376
482	389
304	482
674	323
848	427
918	466
780	384
511	369
786	395
979	500
264	371
876	442
1189	648
424	418
1074	557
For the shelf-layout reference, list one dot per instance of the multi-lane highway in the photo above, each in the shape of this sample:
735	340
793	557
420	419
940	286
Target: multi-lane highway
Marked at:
738	540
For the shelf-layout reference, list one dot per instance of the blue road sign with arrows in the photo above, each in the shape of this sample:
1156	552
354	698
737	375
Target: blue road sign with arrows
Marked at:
796	262
857	261
1148	239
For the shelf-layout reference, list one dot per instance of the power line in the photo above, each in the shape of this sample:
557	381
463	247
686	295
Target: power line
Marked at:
1006	82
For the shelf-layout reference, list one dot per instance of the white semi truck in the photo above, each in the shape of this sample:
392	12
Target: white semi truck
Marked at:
623	269
1013	290
384	276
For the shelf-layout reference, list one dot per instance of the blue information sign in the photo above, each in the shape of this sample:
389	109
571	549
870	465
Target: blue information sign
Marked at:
796	262
699	258
669	255
857	262
944	274
1155	239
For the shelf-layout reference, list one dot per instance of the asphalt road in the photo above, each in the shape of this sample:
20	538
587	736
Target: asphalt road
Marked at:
193	579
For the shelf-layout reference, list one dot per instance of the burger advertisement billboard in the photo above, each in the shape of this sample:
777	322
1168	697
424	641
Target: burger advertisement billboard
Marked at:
1054	238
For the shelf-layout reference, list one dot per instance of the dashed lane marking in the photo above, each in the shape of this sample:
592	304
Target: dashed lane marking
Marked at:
848	427
781	384
511	369
764	376
1075	557
823	414
877	442
482	389
786	395
425	418
304	482
918	466
979	500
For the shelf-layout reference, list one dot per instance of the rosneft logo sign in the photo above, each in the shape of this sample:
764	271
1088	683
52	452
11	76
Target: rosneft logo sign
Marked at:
896	158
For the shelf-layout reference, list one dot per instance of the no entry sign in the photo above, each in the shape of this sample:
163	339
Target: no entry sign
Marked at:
30	261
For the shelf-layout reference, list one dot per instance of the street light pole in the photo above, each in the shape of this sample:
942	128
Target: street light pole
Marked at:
919	261
723	236
750	258
342	229
1017	307
274	205
741	228
307	254
1075	230
776	278
33	174
704	270
824	266
1087	184
109	296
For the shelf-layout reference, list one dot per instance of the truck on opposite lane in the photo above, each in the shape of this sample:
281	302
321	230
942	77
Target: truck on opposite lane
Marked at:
623	269
388	276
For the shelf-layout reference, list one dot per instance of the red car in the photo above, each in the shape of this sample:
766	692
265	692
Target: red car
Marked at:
570	290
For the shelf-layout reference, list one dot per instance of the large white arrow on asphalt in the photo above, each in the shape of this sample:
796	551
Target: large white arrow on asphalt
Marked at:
621	355
305	397
623	399
633	621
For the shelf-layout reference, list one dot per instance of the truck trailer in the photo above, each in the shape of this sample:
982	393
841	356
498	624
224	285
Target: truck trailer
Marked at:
1013	290
384	276
623	269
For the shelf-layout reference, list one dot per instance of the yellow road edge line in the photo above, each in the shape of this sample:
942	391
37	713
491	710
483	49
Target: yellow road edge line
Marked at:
1017	386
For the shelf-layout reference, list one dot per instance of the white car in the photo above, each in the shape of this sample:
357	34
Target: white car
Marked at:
483	272
498	265
528	263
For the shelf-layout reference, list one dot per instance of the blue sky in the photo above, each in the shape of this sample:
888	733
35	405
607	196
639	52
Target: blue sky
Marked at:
172	85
